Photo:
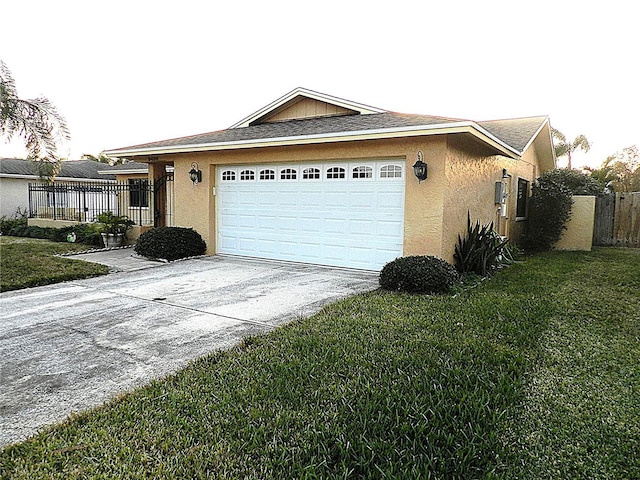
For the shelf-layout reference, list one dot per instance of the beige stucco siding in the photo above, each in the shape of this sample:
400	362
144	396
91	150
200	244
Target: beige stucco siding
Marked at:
579	232
195	205
461	177
470	187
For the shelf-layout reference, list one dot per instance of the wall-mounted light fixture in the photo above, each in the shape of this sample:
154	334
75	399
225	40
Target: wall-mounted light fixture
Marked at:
420	168
504	173
195	174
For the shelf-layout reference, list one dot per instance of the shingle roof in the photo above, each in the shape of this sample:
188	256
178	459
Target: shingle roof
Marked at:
80	169
515	133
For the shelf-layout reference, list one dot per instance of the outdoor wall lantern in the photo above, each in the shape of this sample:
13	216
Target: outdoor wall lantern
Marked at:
195	174
420	168
504	173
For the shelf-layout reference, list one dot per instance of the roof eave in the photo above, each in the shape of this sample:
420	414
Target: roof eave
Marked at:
377	134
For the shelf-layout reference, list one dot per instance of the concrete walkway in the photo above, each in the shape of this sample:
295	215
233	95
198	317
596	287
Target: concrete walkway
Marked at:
72	346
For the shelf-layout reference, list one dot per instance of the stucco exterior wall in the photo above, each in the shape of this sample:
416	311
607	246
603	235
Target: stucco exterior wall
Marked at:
461	177
471	175
579	232
195	204
14	194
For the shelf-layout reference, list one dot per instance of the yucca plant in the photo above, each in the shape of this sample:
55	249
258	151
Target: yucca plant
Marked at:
481	251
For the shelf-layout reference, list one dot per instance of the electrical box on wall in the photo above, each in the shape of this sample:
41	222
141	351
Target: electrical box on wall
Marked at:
501	193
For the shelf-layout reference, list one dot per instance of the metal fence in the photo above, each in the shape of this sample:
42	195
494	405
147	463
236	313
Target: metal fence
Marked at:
82	202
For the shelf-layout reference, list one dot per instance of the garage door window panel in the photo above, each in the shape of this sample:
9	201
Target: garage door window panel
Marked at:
288	174
228	176
267	174
246	175
336	173
391	171
361	172
311	174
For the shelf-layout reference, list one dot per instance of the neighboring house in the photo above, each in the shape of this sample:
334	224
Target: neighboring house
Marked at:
318	179
17	174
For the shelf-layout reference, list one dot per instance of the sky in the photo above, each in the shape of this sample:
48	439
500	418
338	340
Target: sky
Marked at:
129	72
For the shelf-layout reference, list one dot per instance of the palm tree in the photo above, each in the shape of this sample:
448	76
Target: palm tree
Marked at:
563	147
37	121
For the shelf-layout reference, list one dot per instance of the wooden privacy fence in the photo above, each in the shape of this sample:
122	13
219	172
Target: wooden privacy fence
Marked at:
617	220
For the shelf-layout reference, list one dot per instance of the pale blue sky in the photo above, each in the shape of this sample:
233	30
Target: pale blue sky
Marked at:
128	72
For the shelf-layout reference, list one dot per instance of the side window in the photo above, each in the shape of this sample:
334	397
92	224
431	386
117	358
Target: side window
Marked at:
228	175
362	172
288	174
391	171
336	172
138	192
247	175
521	201
267	174
311	174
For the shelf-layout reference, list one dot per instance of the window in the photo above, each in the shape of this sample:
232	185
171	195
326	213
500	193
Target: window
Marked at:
362	172
288	174
336	172
247	175
228	175
267	174
391	171
521	201
138	192
311	173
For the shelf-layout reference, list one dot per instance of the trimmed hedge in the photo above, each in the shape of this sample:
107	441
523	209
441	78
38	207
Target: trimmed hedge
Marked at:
170	243
85	233
418	274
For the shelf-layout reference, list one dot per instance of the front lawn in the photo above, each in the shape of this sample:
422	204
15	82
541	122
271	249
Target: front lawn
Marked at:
30	262
533	374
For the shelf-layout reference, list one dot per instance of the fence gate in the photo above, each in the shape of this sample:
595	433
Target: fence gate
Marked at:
163	201
617	220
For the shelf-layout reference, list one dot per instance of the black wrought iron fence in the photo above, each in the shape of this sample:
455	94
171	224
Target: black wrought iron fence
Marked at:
82	202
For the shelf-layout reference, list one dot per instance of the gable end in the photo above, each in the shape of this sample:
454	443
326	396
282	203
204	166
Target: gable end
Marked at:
303	107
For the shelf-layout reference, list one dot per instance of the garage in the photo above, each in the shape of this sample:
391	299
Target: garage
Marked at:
345	214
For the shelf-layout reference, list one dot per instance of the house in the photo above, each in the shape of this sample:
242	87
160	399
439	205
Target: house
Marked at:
17	174
319	179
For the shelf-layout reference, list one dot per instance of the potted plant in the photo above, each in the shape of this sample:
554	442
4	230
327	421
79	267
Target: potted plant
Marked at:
113	228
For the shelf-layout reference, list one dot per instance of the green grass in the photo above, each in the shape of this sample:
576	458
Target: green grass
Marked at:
533	374
29	262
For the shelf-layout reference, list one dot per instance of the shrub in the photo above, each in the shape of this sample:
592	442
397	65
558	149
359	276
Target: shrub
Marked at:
420	274
481	251
578	183
19	228
18	219
549	211
170	243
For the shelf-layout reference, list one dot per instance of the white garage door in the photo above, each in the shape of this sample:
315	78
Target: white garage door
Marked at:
348	214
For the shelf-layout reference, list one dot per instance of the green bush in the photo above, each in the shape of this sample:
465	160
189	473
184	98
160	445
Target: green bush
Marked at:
419	274
18	219
578	183
170	243
481	251
549	211
18	228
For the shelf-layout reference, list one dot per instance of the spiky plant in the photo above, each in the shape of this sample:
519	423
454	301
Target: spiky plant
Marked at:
481	250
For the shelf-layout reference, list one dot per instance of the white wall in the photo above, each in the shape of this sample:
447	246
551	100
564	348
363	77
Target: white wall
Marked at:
14	193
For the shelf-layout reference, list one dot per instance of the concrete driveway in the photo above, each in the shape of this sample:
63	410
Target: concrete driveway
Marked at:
69	347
